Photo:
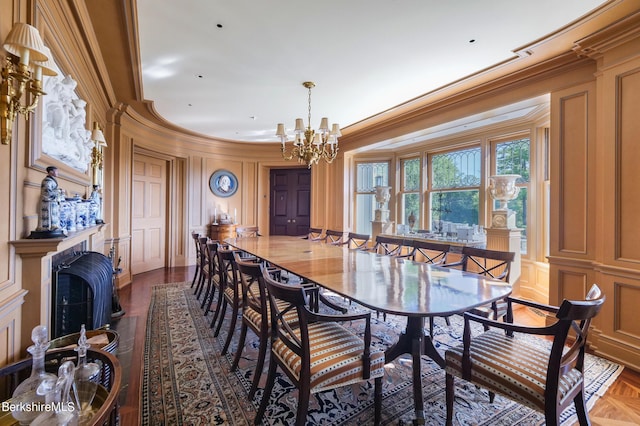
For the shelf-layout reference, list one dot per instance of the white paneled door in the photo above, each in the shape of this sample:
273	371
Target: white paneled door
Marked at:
149	215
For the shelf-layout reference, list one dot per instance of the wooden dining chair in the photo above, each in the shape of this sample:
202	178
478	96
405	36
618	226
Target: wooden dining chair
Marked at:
202	248
389	246
317	353
314	234
256	314
230	295
247	231
357	241
212	276
196	275
335	238
429	252
432	253
489	263
541	375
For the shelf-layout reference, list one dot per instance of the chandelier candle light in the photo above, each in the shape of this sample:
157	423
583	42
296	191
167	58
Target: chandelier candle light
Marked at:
310	146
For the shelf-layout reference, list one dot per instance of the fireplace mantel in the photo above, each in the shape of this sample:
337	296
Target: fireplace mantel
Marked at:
35	256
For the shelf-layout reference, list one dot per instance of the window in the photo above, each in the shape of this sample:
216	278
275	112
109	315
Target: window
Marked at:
368	176
410	192
454	189
513	157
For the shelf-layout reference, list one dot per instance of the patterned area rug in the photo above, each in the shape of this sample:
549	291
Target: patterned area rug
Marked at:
186	381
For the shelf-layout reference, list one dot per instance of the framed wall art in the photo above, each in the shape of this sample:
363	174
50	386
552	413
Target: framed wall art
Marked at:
223	183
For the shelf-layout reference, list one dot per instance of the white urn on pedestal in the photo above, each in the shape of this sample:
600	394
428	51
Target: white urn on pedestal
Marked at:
383	195
502	188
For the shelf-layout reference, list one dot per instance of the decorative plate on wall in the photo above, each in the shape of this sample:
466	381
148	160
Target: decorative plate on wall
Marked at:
223	183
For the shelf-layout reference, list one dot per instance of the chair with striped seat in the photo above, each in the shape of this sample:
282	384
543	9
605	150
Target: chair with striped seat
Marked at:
314	234
196	275
429	252
544	376
230	295
357	241
202	248
212	275
391	246
432	253
247	231
334	237
256	314
489	263
317	354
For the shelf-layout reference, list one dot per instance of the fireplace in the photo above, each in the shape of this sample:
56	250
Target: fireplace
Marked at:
81	292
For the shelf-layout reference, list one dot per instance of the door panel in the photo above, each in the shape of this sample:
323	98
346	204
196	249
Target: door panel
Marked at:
290	201
149	215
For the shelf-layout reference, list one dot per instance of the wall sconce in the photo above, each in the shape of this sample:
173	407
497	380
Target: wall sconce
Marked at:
27	62
96	153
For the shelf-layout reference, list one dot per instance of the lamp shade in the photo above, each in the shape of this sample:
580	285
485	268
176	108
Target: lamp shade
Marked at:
25	42
47	67
97	136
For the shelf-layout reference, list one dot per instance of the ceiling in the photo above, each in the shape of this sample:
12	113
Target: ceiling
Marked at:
234	69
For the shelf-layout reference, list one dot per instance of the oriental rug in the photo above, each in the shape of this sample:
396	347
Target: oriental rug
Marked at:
187	382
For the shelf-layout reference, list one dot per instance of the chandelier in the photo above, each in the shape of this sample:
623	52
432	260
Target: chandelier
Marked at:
310	146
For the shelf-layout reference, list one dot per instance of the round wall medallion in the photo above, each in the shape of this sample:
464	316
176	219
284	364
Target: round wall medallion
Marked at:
223	183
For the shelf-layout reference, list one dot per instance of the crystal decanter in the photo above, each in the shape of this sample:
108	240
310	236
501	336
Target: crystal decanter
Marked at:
27	404
86	377
57	395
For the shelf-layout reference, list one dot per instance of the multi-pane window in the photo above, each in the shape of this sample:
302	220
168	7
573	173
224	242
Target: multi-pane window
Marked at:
513	157
410	192
454	189
368	176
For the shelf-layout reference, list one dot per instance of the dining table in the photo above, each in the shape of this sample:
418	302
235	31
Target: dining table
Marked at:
386	284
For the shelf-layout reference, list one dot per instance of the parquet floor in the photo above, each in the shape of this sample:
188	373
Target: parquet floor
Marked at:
620	406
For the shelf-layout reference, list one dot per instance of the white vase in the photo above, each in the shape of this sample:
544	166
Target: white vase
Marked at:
503	189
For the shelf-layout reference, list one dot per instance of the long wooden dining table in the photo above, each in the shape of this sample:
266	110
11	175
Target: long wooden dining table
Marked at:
386	284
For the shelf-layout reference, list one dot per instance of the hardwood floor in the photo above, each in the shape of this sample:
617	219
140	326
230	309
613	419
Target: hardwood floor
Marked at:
620	406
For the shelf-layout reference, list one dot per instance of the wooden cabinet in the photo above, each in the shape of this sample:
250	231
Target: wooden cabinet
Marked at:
220	232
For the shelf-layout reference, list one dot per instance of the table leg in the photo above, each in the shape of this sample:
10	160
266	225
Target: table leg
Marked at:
414	341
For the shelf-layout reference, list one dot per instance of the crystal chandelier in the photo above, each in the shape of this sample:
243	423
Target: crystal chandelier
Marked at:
310	146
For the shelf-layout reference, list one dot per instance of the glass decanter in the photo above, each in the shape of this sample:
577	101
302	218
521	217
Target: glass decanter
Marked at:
57	395
86	377
27	404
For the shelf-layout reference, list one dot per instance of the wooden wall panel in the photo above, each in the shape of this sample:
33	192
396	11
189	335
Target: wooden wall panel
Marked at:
573	284
626	302
627	191
572	177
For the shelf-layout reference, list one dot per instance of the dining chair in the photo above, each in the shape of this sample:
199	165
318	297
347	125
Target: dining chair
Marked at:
212	277
317	353
256	315
202	247
489	263
542	375
357	241
247	231
389	246
230	295
335	238
432	253
196	275
314	234
429	252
